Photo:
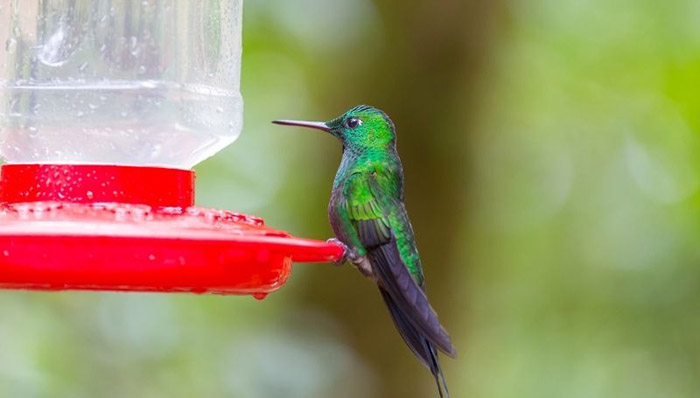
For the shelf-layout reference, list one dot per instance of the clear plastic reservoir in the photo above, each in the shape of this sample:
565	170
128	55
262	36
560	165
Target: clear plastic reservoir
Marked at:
147	82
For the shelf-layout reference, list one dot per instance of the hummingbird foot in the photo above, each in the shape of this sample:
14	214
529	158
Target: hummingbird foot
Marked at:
347	255
350	254
364	266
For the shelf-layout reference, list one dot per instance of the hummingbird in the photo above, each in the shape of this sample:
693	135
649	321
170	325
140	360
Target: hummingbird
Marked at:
369	219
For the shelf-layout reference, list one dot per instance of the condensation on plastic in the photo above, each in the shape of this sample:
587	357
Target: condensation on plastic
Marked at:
152	82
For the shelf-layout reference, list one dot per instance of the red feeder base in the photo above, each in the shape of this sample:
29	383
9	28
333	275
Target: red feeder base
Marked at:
121	228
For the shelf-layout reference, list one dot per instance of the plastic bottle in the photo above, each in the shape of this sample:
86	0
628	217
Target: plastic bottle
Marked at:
146	83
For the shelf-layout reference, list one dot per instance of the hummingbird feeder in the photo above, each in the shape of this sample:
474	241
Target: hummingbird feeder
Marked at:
105	107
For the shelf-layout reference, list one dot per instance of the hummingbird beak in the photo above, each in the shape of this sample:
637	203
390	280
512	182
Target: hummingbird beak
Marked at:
301	123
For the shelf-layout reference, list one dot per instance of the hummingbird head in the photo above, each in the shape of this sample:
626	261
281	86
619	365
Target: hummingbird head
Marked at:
362	127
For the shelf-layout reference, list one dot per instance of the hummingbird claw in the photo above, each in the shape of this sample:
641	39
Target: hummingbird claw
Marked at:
347	255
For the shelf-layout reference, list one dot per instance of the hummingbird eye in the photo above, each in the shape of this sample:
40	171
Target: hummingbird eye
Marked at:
353	122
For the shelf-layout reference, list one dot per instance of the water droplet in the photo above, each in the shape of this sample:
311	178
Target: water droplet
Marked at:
5	253
89	194
57	49
134	47
10	45
32	131
142	69
259	296
151	257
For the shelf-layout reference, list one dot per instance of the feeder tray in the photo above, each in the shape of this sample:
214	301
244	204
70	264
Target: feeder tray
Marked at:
126	228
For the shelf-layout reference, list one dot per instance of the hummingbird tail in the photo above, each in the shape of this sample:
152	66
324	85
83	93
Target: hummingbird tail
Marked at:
419	345
437	373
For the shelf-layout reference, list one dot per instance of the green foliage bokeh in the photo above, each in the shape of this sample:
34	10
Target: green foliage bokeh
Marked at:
552	175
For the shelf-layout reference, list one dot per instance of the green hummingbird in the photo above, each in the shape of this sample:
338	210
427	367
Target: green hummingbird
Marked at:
368	217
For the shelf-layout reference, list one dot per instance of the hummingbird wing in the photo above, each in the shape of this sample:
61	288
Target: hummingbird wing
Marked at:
419	345
384	230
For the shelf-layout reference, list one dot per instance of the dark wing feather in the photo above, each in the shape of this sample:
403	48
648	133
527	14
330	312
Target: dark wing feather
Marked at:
420	346
373	232
372	223
407	296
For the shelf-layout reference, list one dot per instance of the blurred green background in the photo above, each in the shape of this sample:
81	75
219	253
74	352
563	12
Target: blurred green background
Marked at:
552	177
